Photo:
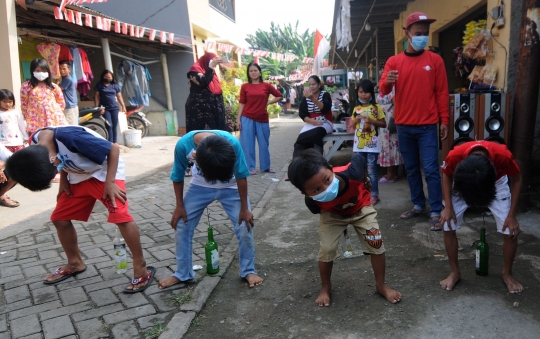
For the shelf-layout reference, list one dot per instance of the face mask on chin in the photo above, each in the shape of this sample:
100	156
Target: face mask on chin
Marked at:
418	43
41	75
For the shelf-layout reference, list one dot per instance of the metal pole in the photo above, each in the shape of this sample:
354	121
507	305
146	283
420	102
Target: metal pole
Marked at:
526	98
377	54
106	54
167	82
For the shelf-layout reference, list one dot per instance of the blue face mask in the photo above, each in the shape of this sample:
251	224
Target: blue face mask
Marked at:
364	102
330	193
419	42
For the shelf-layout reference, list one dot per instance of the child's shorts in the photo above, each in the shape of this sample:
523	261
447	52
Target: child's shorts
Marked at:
331	227
500	207
82	201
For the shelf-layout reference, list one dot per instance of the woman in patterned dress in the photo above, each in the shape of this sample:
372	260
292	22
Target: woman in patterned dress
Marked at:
204	106
389	157
42	101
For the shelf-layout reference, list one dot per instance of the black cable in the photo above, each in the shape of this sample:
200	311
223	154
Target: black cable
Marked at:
505	55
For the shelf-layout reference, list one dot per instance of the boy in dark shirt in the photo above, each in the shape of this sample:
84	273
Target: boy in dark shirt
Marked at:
341	197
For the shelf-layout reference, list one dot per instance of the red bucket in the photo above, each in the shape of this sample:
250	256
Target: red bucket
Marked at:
349	126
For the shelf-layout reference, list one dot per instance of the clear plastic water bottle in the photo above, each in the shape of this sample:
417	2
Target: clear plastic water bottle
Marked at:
120	255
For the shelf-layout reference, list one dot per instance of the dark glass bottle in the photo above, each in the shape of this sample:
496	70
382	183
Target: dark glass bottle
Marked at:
211	252
482	254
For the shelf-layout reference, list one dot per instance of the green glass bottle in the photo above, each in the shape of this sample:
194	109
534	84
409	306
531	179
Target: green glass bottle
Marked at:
482	254
211	252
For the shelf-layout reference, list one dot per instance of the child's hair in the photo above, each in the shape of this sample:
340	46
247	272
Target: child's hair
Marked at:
41	63
7	94
216	159
305	165
31	168
474	180
368	87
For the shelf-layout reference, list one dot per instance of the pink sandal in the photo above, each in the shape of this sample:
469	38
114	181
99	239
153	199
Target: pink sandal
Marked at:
384	180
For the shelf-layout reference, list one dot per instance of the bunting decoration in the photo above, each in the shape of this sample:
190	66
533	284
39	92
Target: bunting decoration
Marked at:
226	48
105	24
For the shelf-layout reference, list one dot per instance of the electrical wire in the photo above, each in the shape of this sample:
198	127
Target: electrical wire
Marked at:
505	55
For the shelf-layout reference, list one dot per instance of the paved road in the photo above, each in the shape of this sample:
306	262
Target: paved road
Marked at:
92	305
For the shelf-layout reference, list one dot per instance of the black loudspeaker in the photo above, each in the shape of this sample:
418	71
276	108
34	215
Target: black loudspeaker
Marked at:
493	117
462	124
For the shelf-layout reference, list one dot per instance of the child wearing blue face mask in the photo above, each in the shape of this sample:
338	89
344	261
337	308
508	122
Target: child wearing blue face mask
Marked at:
341	196
367	117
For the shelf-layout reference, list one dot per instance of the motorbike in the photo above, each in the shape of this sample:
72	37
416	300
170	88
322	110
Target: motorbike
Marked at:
93	119
137	119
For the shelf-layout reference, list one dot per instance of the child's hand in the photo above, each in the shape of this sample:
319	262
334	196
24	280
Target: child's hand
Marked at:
113	191
513	225
179	212
63	187
447	215
247	216
3	178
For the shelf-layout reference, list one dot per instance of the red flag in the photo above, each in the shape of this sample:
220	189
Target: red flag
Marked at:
141	32
57	13
78	18
88	20
171	38
163	37
152	34
99	22
124	28
131	30
117	26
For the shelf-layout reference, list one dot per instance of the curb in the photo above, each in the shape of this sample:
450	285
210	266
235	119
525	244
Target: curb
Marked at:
181	321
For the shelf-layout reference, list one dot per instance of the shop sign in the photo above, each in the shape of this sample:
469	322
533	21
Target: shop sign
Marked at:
225	7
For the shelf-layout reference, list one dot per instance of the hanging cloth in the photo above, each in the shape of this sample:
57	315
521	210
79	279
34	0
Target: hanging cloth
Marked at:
50	52
65	53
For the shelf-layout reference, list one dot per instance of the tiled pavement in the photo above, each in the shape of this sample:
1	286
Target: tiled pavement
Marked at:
92	305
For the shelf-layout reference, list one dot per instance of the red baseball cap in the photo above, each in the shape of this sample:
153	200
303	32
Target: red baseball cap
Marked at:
417	17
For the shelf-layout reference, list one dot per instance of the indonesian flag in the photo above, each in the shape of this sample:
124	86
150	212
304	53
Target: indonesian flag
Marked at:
78	18
171	38
124	28
88	20
117	26
163	37
152	34
141	32
99	22
57	13
321	49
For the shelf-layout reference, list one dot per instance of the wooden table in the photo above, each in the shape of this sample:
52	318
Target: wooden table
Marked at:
338	138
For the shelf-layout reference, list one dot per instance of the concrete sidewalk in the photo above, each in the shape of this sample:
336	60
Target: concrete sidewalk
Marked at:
92	305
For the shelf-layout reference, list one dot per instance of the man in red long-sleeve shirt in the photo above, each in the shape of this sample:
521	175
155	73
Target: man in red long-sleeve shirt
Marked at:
421	102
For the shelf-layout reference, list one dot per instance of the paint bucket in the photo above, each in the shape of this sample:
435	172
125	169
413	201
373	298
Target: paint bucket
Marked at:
133	138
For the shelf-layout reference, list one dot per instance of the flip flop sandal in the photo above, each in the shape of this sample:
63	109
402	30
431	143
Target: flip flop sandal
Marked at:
65	275
270	171
412	213
433	225
384	180
253	172
136	281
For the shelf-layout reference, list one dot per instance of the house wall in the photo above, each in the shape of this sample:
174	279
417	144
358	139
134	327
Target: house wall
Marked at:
448	13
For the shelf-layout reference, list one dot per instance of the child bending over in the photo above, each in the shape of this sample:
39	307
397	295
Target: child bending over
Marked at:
342	198
220	173
90	169
476	174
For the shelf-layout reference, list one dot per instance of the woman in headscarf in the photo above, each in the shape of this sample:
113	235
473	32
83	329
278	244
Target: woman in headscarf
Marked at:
204	106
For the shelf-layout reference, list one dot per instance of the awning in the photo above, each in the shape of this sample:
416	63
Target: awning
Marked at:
381	19
39	21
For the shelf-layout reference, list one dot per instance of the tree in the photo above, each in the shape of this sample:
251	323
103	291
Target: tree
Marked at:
283	40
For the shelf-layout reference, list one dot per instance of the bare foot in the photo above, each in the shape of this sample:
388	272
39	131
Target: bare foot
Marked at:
512	284
253	280
165	283
67	267
451	281
324	297
391	295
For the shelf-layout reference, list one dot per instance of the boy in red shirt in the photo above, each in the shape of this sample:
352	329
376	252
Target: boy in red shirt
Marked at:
476	174
341	197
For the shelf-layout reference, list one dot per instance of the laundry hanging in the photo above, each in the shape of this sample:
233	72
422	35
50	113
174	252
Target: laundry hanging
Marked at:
134	78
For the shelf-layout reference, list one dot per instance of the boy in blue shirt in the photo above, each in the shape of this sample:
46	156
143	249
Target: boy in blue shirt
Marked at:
90	169
220	173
